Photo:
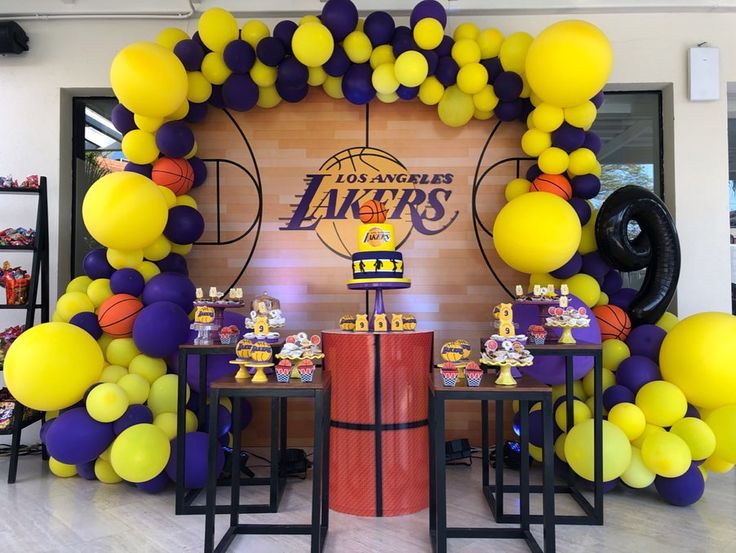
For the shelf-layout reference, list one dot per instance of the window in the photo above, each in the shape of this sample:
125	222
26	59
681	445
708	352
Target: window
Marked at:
732	186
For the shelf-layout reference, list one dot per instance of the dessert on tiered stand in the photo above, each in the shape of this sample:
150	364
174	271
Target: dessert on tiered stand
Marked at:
506	349
252	355
567	318
265	315
209	313
300	348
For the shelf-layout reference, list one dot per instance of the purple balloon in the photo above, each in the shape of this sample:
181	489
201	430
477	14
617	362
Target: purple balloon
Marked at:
185	225
87	321
160	329
292	94
380	27
239	56
551	369
340	17
403	41
156	484
446	71
45	426
198	40
623	298
594	266
173	263
683	490
592	142
216	98
692	411
191	54
526	109
536	428
122	119
508	85
95	264
173	287
239	92
338	64
292	73
617	394
612	282
428	8
598	100
224	420
197	112
77	438
508	111
445	47
175	139
646	340
635	371
572	267
533	172
200	171
87	470
356	84
407	92
284	31
144	170
582	208
585	186
134	414
432	60
127	281
270	50
494	68
195	455
568	138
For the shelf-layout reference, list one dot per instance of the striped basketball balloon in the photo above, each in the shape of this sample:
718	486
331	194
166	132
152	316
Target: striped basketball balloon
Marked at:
118	313
451	351
243	348
613	321
260	352
465	345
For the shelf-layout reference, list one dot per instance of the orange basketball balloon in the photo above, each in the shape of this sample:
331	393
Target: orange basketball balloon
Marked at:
554	184
613	321
372	211
117	315
175	174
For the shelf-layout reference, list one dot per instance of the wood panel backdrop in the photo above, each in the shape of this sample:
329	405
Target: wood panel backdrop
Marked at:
452	291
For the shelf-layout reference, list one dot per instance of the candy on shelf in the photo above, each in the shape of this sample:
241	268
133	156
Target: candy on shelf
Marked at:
16	282
29	183
7	337
21	237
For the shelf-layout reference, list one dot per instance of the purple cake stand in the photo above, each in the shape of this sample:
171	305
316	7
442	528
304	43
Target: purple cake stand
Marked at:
379	287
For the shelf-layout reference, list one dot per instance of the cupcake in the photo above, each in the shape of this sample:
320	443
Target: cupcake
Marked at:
283	371
538	334
473	374
229	335
449	374
306	370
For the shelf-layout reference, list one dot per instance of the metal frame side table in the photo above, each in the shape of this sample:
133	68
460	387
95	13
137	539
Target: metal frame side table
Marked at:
527	390
319	391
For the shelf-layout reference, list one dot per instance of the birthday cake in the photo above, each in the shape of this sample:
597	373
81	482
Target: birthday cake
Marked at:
376	260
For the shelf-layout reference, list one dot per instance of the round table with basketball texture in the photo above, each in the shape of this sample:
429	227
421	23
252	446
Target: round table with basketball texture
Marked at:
379	421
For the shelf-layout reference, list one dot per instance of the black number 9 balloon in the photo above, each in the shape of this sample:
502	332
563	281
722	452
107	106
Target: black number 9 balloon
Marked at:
656	248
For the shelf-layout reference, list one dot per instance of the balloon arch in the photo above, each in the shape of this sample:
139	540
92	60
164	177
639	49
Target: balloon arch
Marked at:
670	396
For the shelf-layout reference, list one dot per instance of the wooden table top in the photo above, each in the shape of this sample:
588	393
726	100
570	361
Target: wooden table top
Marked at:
524	383
320	381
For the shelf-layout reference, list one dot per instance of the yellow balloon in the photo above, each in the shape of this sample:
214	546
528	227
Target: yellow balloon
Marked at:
614	351
717	465
582	161
580	413
579	450
609	379
535	453
559	390
139	147
382	54
56	318
486	99
547	117
666	454
536	233
268	97
333	87
105	473
148	79
148	124
722	422
104	341
466	30
135	387
516	187
514	50
313	44
431	91
588	242
253	31
697	435
534	142
181	249
637	475
113	373
455	108
157	250
140	453
560	447
199	89
553	161
703	369
569	62
168	196
667	321
107	402
186	199
217	27
384	79
489	41
389	98
649	429
465	51
79	284
121	351
585	287
482	115
121	259
603	300
704	472
71	303
191	421
263	75
180	112
170	37
148	270
99	290
581	116
411	68
124	211
662	402
150	368
317	76
166	422
214	68
163	394
62	470
629	418
472	78
309	19
428	33
51	365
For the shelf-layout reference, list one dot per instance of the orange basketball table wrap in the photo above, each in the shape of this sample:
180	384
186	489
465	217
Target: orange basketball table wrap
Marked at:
379	463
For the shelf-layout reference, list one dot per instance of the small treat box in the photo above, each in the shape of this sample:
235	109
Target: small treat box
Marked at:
473	374
306	370
537	334
229	335
283	371
449	374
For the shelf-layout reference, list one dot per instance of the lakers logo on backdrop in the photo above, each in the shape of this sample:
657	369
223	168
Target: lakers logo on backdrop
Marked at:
330	205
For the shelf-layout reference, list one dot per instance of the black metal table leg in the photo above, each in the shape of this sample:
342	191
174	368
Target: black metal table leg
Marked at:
484	444
317	460
524	468
181	406
500	487
598	436
275	457
432	481
18	414
202	392
235	466
548	459
440	482
569	408
326	466
209	523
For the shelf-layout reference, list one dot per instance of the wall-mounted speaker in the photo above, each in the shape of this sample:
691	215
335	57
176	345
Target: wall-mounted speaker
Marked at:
13	39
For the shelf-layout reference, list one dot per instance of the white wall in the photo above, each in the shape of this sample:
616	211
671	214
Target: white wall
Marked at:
650	53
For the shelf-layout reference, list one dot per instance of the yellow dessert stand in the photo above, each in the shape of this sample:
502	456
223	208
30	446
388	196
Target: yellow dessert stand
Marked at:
242	374
566	337
504	369
459	365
